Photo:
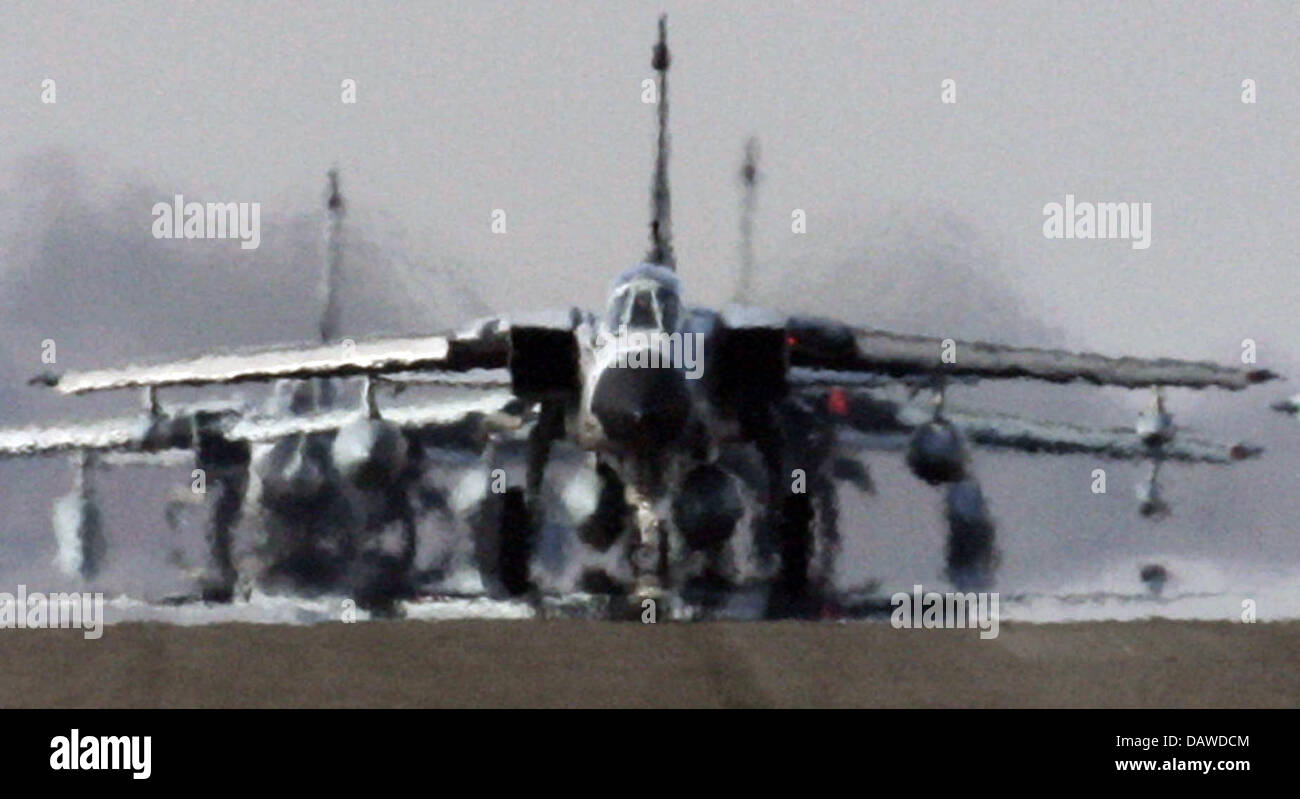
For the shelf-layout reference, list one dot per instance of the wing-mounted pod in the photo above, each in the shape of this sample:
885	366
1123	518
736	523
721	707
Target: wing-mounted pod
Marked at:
937	452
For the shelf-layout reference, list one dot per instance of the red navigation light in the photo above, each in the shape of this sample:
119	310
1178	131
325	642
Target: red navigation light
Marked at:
837	402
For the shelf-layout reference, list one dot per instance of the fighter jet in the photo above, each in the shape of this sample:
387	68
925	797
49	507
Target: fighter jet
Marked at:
690	416
333	489
832	429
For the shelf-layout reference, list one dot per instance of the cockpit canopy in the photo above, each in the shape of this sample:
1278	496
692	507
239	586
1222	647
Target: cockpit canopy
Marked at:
647	296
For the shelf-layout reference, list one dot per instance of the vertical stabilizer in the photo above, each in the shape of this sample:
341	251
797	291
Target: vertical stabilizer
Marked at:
748	207
332	314
661	231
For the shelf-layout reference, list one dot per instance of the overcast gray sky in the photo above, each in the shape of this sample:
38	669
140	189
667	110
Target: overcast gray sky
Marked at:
921	215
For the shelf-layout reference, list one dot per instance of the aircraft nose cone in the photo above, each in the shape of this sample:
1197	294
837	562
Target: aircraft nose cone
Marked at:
641	407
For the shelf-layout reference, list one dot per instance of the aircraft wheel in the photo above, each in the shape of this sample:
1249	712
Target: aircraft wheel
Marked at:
790	594
612	516
379	580
383	572
971	548
515	537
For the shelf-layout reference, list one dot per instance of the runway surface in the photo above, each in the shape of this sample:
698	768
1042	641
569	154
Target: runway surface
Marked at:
577	663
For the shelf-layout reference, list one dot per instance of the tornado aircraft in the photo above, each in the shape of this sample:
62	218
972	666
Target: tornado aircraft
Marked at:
700	432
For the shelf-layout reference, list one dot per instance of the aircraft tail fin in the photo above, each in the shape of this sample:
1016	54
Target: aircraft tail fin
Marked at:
331	319
332	314
748	206
661	234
